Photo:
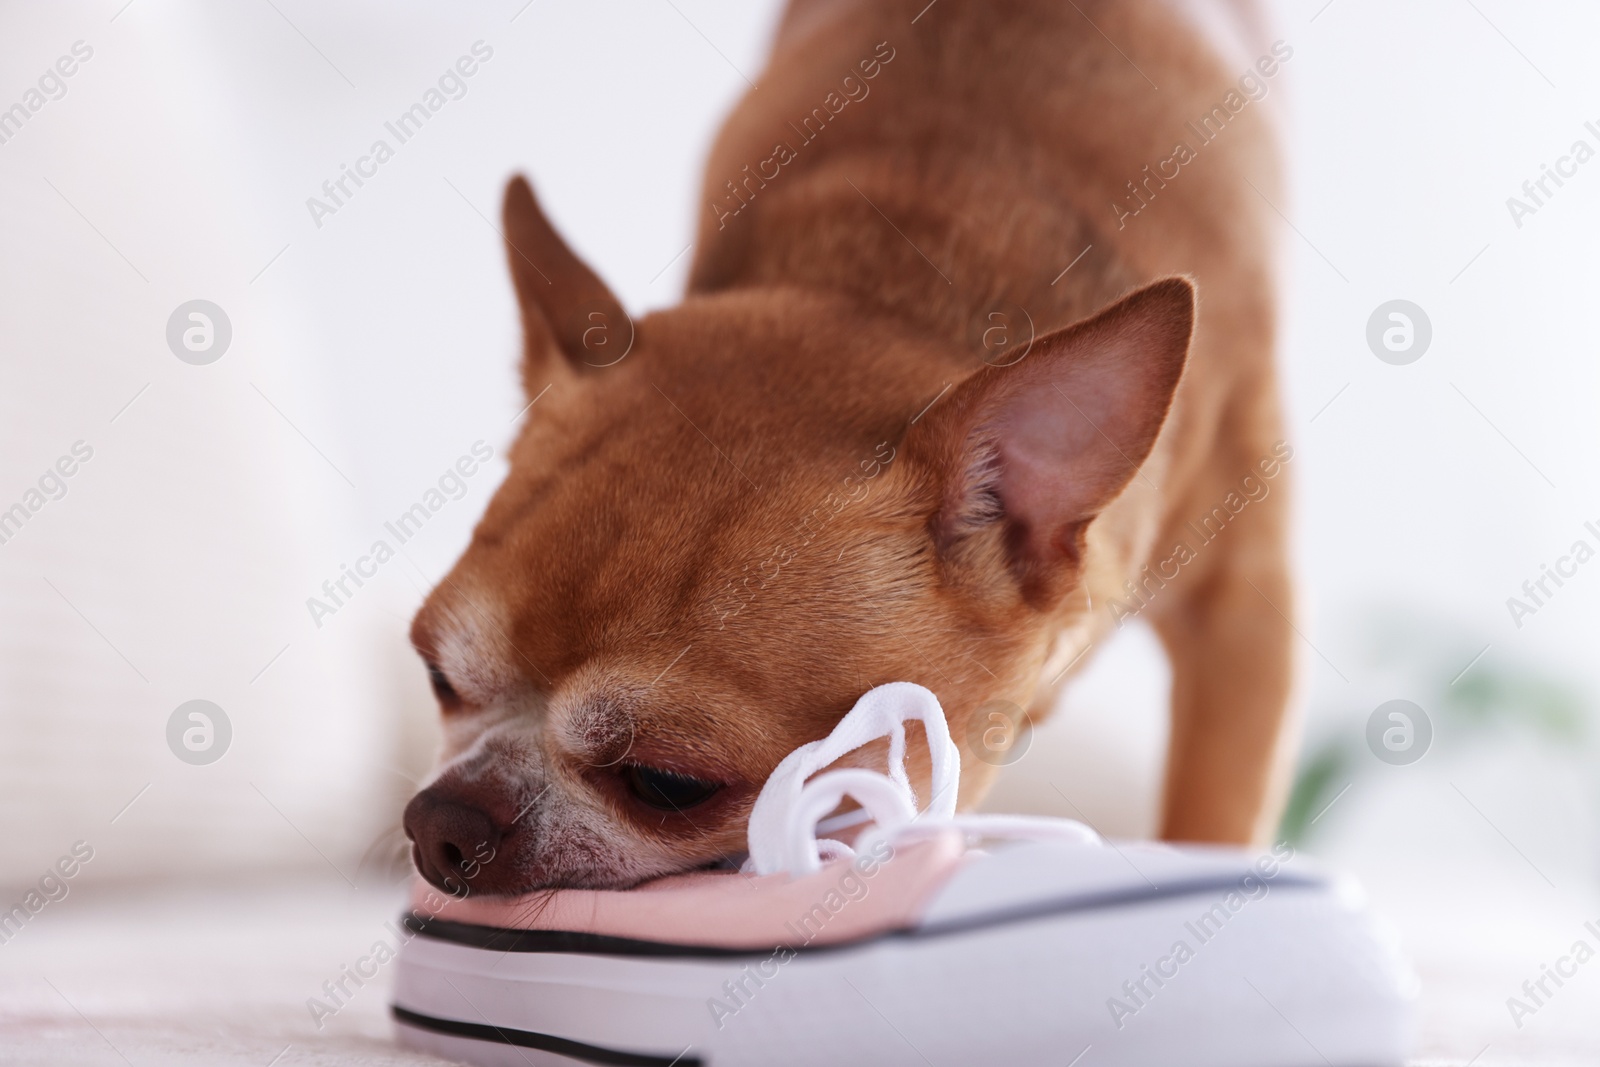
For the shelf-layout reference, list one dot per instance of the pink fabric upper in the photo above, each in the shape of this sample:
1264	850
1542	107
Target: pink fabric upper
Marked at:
727	909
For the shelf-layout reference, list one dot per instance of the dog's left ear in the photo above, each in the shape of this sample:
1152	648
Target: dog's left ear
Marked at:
567	311
1044	445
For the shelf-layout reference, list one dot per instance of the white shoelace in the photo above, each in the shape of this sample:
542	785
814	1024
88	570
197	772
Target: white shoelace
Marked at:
792	807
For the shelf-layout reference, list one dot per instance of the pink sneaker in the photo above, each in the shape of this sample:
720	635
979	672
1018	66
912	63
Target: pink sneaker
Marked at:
1046	946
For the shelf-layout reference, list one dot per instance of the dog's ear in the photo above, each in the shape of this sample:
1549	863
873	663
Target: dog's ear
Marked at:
567	311
1042	446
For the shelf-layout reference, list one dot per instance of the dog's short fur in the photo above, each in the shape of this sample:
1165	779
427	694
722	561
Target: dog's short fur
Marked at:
885	437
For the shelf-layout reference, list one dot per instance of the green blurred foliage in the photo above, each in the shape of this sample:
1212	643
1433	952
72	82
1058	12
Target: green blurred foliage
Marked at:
1495	695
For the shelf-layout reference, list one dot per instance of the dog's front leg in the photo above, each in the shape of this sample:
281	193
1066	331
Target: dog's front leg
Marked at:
1227	633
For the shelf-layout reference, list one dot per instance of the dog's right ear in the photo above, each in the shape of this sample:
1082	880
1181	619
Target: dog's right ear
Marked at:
1032	452
568	313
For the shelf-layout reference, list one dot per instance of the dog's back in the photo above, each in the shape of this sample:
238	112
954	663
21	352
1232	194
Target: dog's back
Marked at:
1013	168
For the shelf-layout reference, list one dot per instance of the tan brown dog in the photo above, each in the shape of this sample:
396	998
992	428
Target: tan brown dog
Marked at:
889	435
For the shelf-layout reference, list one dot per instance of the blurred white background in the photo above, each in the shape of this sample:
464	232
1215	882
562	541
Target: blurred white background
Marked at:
371	351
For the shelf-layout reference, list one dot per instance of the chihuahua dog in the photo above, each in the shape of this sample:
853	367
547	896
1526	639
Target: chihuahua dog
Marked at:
979	334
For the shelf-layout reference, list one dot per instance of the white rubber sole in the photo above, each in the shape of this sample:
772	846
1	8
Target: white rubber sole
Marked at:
1296	978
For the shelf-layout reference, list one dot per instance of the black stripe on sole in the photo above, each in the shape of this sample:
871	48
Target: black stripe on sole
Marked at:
561	1046
504	939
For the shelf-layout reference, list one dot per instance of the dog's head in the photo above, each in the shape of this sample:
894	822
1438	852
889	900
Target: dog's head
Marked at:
724	523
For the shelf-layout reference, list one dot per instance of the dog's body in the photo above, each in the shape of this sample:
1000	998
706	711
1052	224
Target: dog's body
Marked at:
872	445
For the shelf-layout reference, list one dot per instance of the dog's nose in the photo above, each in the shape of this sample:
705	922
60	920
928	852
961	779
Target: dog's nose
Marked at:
451	841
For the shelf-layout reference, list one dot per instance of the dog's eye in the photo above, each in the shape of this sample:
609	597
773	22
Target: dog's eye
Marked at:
442	688
667	790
